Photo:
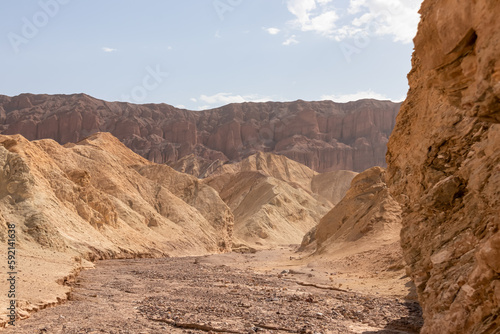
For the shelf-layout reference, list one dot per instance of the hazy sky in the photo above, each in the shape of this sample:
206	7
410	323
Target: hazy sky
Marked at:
206	53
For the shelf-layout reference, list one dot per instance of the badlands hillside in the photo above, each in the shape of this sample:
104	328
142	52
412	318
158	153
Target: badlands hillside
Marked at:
360	235
96	199
275	200
440	195
324	136
444	166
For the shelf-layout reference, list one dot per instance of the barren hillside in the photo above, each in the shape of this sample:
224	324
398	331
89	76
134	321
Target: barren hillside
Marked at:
276	200
93	200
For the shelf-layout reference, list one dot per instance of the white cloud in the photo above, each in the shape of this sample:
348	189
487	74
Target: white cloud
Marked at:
180	106
272	31
311	17
226	98
108	50
355	6
397	19
193	99
291	40
368	94
204	107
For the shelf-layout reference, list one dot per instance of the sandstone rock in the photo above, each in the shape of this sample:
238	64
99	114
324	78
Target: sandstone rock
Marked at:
444	166
359	238
367	214
325	136
276	200
331	186
196	165
96	199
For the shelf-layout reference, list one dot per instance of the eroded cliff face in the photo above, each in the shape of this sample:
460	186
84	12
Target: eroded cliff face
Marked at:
444	166
324	136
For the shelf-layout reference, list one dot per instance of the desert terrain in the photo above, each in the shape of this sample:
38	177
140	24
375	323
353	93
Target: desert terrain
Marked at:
97	200
264	292
272	217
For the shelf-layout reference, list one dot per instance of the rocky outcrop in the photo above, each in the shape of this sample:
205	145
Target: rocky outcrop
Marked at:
276	200
359	240
444	166
267	211
367	214
328	188
325	136
95	200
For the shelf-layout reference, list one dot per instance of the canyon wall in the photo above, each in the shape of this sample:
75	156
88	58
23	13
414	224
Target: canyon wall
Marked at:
444	166
325	136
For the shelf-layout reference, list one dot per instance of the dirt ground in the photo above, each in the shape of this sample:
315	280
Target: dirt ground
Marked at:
273	291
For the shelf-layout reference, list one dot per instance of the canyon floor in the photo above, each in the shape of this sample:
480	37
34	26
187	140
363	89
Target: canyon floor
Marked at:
270	291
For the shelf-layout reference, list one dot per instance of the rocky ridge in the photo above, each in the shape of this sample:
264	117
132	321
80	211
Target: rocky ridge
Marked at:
325	136
444	166
366	223
96	199
276	200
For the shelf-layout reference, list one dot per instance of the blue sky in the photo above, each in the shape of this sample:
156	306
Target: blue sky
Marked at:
201	54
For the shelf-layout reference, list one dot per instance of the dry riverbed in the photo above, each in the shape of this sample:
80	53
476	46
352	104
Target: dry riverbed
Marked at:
266	292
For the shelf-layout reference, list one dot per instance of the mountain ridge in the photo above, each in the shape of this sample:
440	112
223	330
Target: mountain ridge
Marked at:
322	135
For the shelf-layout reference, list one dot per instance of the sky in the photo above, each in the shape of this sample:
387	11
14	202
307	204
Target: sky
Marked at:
201	54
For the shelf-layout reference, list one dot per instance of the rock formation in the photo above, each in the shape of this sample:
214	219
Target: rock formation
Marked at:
276	200
325	136
366	218
444	166
331	186
358	240
95	200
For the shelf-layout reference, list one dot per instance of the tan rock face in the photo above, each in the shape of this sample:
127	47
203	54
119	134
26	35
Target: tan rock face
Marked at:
94	200
114	194
444	169
276	200
359	238
367	212
325	136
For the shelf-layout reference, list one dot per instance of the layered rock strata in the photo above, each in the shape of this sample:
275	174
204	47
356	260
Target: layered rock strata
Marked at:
444	166
325	136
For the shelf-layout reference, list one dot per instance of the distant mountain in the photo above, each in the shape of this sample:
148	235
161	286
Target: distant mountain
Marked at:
324	136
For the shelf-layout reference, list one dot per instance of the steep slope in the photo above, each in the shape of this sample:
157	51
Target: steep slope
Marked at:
267	211
444	166
366	218
196	166
324	136
359	239
367	211
276	200
97	199
330	186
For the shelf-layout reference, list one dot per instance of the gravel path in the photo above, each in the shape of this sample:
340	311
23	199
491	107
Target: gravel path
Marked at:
187	295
